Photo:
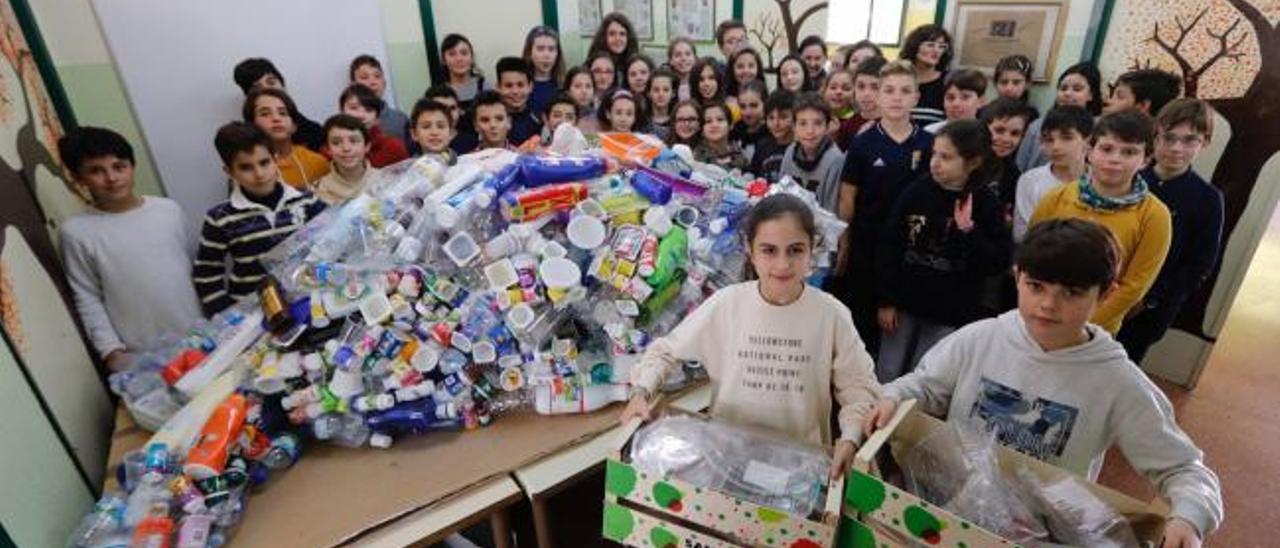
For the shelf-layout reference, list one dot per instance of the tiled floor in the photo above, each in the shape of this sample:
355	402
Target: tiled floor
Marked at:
1232	415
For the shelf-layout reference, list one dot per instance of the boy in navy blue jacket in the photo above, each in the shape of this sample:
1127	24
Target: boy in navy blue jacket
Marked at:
1184	127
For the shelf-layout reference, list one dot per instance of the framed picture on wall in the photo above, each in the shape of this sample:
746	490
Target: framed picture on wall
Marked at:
589	15
986	30
692	19
640	12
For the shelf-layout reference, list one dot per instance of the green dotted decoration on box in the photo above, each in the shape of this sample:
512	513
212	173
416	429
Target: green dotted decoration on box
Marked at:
618	522
863	492
853	534
662	538
620	479
667	496
923	524
769	515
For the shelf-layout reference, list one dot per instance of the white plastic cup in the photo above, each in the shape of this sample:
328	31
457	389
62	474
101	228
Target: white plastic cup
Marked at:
586	232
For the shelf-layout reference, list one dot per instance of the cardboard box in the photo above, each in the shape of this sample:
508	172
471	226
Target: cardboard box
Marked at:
648	510
886	515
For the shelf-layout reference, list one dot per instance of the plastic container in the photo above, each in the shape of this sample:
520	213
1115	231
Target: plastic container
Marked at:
586	232
559	275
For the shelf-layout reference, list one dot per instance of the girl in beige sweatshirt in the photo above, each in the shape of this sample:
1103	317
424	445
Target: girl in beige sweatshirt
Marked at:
776	349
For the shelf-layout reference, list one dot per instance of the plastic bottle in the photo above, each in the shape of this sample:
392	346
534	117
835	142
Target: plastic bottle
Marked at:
148	494
345	429
583	399
155	531
209	456
414	417
106	518
193	531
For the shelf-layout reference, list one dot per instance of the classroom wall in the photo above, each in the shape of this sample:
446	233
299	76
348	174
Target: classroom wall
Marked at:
495	27
406	51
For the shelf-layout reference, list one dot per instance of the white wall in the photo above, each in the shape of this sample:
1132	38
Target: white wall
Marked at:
495	27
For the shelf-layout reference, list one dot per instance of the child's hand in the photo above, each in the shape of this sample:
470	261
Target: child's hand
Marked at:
879	416
842	459
888	317
964	213
637	407
1178	533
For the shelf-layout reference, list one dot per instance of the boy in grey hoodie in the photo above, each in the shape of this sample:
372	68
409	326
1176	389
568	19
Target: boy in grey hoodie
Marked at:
1055	387
813	160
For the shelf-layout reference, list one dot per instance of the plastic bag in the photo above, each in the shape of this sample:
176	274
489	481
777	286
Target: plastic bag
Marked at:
1074	515
957	468
747	464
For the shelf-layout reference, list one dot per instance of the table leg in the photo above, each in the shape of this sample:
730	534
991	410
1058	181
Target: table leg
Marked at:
541	522
500	525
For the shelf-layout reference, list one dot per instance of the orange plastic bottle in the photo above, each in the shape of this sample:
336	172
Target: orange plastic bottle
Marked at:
209	456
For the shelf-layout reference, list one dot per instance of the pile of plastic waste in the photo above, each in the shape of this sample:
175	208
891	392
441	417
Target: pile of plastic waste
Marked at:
438	299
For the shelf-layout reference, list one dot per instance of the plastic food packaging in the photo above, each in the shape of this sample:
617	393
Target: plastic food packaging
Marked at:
748	464
1074	516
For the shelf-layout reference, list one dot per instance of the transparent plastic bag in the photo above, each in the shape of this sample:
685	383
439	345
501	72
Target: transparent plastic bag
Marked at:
957	468
745	463
1074	515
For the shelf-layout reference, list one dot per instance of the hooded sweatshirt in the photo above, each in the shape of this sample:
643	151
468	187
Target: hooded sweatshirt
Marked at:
1064	407
775	367
820	174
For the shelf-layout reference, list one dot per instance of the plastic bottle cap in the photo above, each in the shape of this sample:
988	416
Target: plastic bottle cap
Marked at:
447	217
426	358
686	216
559	273
586	232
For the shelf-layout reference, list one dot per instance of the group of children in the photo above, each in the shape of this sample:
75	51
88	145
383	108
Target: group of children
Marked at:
943	191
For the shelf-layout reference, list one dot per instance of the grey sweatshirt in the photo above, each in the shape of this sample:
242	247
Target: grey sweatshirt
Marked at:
1065	407
824	176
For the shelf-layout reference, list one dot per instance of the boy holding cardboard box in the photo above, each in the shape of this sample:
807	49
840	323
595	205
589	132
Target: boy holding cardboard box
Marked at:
1053	386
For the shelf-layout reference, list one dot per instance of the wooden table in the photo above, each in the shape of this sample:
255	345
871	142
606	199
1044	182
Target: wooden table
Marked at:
543	479
419	491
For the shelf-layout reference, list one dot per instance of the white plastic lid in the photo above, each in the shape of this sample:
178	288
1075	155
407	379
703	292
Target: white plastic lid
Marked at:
559	273
586	232
658	220
461	248
483	352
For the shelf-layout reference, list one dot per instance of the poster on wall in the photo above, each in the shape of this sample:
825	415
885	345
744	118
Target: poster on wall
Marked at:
588	17
640	12
987	31
693	19
1226	54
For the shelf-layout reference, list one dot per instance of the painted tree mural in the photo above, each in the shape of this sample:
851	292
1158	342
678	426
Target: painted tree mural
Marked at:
785	27
1228	53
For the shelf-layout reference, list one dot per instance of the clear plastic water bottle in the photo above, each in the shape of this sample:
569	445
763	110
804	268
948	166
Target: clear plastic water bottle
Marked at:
106	518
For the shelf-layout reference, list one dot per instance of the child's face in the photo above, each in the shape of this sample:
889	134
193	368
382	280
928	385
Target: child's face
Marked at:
582	90
734	40
108	178
366	115
686	122
811	127
781	253
866	89
791	75
433	131
450	103
898	95
602	73
1011	84
682	58
961	104
745	68
780	122
1074	90
273	118
543	54
1115	162
707	84
372	78
752	108
715	125
458	59
615	38
347	148
838	92
660	93
514	88
815	56
1177	146
1064	147
857	56
947	166
638	77
1053	313
255	172
493	124
561	113
1006	135
622	115
1121	98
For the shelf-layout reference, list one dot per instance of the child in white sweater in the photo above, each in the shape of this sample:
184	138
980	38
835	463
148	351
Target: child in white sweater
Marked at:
775	349
1057	388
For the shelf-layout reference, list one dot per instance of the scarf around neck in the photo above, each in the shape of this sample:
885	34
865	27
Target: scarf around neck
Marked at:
1089	195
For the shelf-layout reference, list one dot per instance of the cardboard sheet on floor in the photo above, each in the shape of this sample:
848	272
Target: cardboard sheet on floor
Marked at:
334	495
